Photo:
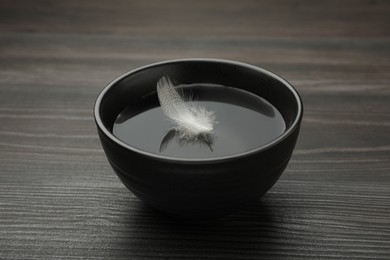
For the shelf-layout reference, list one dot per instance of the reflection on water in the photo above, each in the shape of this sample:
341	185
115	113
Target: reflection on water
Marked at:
201	140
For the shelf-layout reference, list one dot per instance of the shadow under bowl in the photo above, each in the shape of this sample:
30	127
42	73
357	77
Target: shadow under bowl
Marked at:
199	188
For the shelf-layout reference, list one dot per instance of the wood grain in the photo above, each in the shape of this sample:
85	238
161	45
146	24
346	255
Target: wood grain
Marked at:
60	199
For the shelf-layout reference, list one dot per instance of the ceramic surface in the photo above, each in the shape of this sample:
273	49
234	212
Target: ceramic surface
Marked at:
206	187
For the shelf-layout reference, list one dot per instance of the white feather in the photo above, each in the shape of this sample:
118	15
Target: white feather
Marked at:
190	119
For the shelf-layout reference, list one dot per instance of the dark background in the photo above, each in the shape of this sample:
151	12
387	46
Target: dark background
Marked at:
59	197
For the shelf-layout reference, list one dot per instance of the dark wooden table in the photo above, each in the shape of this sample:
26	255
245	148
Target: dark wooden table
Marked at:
59	197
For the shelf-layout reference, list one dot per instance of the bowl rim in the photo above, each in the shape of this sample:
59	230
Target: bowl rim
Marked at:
266	146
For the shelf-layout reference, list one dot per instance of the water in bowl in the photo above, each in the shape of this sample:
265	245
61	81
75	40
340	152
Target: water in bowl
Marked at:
244	122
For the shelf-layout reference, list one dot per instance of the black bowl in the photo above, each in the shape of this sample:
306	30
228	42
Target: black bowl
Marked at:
199	187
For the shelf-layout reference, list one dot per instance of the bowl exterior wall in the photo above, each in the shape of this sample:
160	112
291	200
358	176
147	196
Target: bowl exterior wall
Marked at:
199	189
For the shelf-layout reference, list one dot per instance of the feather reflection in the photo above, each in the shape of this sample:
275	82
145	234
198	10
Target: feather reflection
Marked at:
174	135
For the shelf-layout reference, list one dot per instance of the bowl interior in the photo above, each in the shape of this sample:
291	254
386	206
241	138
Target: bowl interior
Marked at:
133	86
